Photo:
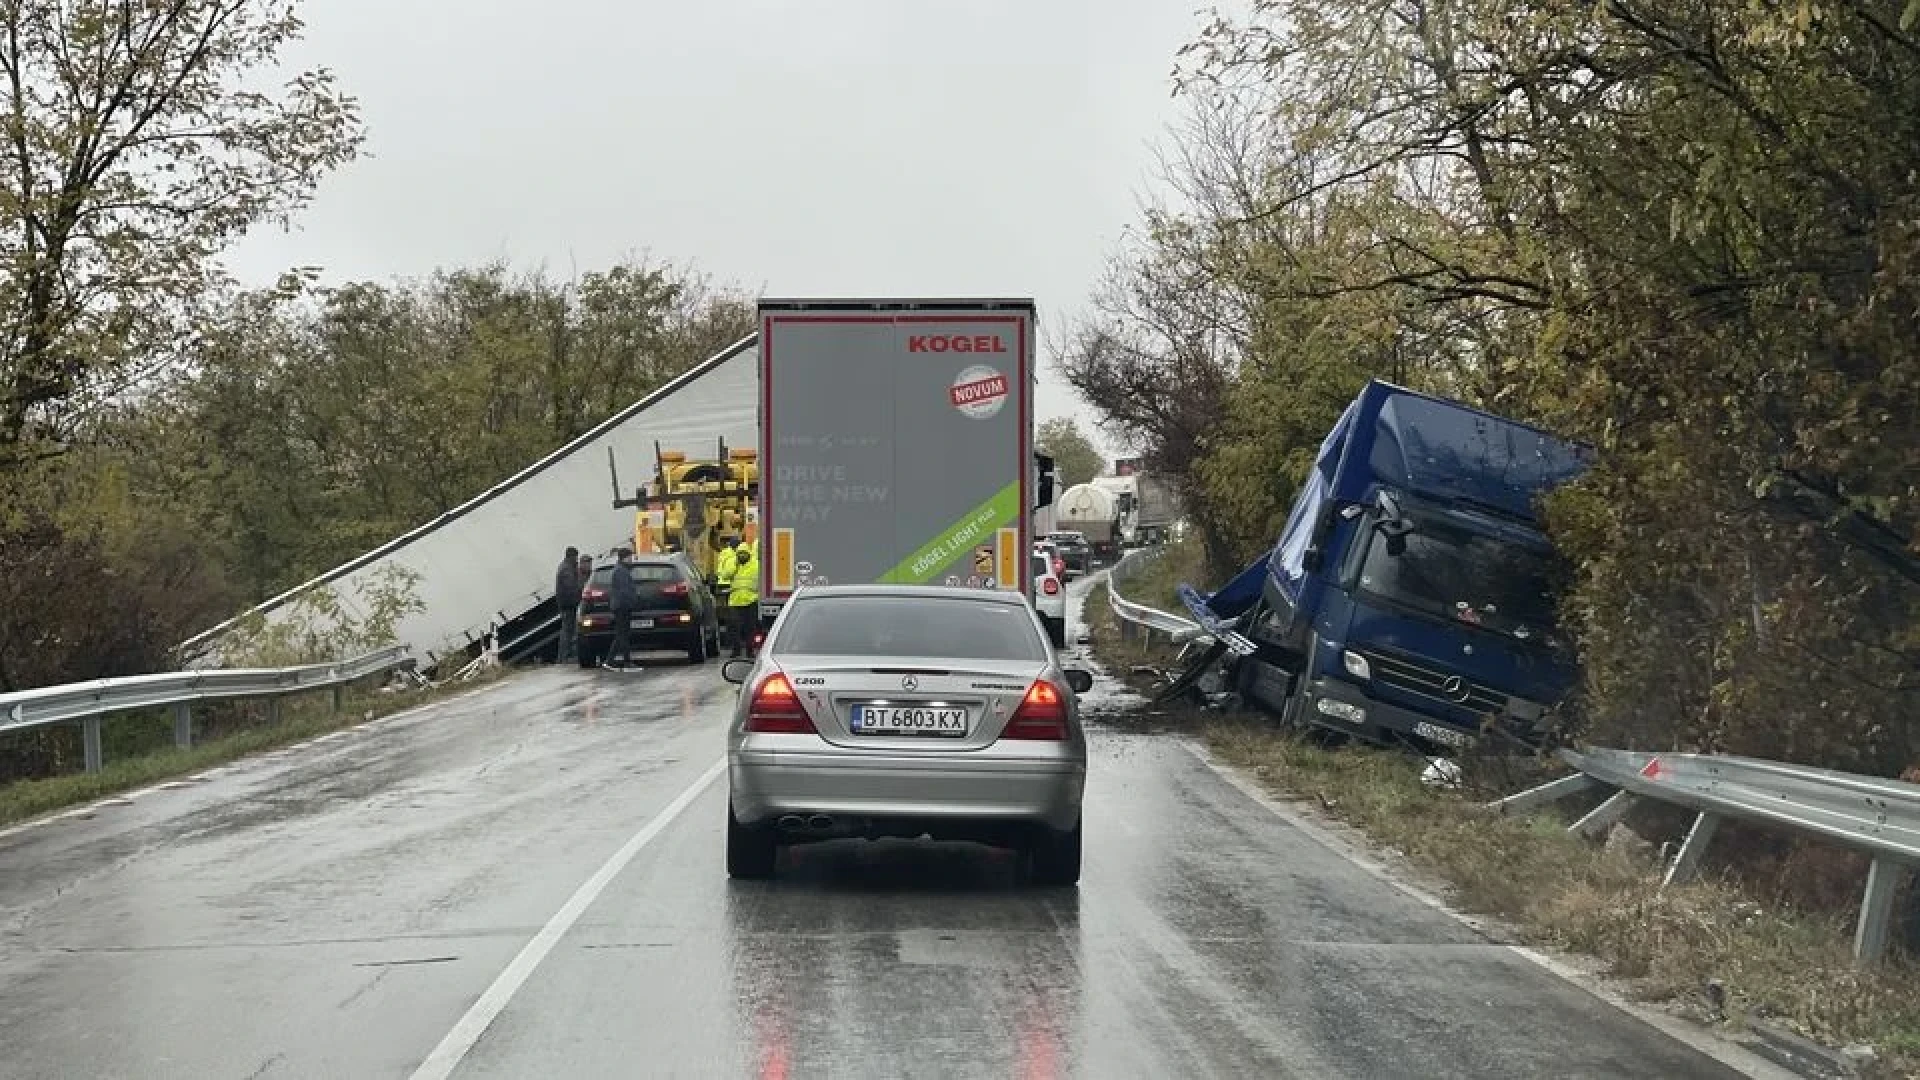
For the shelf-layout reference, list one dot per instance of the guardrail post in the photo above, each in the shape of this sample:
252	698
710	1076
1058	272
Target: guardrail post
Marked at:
273	710
1687	863
338	696
1876	912
90	742
1603	816
1549	792
183	725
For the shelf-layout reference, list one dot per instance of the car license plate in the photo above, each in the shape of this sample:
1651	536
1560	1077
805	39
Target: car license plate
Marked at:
643	624
909	720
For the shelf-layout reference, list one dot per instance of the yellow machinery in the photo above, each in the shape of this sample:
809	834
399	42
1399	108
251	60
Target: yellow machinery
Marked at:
691	504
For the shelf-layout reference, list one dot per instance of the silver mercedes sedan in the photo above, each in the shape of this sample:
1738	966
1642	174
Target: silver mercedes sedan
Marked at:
906	711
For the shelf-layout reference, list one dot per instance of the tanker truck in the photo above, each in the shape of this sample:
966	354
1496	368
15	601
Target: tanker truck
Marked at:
1095	514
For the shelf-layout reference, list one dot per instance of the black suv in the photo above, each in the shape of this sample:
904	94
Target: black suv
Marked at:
676	610
1074	551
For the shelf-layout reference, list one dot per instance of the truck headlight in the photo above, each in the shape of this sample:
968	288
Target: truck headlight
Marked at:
1356	664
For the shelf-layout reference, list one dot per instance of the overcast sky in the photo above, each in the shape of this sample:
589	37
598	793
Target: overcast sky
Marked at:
827	147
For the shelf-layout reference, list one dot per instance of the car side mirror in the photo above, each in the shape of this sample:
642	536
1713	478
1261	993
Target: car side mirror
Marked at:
1080	681
736	671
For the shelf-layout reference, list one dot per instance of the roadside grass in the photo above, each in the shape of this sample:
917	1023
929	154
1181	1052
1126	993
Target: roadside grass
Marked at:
147	756
1709	950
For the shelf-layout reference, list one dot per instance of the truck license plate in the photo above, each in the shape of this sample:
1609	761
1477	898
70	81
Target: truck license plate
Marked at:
1443	735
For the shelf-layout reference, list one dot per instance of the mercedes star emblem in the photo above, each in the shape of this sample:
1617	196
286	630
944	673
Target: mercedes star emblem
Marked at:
1455	687
909	682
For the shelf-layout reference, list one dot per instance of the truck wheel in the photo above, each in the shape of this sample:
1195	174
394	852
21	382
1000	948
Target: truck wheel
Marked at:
1055	856
751	853
1294	716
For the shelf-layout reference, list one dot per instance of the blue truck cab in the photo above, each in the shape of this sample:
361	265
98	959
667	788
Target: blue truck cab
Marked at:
1413	593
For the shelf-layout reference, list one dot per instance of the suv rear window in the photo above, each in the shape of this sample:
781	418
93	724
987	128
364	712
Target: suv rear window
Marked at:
644	573
1041	568
909	627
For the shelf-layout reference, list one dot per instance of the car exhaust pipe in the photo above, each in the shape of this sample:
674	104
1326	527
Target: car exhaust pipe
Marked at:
792	821
819	823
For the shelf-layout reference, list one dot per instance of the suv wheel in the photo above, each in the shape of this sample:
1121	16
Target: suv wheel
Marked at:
697	648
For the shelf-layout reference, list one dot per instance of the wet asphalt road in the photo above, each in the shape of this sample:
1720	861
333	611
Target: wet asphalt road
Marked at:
335	910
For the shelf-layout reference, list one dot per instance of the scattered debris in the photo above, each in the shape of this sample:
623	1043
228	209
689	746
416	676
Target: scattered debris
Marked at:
1441	773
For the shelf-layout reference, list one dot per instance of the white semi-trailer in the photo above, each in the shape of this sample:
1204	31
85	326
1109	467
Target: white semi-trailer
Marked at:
896	443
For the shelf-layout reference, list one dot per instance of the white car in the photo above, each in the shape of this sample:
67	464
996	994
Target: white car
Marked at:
1050	599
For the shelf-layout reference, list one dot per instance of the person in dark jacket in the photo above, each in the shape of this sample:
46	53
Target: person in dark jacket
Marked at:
623	596
567	584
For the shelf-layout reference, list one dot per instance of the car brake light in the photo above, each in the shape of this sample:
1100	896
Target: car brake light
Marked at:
1041	715
777	710
594	594
1051	586
674	588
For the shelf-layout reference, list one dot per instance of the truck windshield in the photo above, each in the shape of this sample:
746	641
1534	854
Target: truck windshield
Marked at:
1455	573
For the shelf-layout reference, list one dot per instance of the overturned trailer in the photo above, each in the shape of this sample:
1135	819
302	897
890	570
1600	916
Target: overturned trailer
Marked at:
485	570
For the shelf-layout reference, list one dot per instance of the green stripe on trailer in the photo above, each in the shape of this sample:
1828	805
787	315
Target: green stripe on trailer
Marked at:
980	524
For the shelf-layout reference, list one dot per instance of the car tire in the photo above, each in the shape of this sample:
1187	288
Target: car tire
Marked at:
1057	632
589	656
697	649
1055	856
750	852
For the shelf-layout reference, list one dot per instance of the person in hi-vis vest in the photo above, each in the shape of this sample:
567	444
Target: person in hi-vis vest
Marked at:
743	601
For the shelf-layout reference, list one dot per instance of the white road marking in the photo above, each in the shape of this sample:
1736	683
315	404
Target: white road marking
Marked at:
454	1048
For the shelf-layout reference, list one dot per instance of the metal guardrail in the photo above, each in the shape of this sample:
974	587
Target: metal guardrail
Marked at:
1177	628
1878	816
89	702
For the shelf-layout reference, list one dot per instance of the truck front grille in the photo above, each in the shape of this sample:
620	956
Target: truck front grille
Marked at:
1431	682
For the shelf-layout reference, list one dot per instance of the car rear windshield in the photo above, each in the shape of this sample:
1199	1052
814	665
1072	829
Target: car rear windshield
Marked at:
1041	567
909	626
642	573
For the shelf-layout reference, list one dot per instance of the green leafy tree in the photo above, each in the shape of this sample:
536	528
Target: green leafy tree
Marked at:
1681	231
1076	459
136	146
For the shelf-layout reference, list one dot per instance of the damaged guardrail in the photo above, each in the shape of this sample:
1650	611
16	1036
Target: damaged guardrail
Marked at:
1871	814
1177	628
89	702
